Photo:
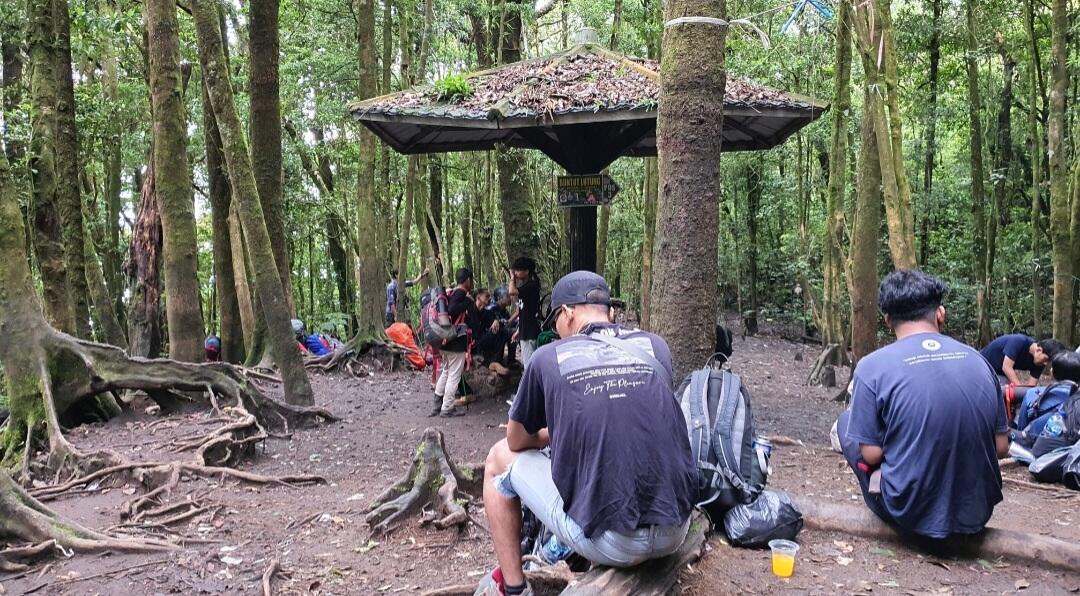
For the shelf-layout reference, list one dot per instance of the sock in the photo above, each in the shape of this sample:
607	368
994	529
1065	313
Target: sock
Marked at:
513	590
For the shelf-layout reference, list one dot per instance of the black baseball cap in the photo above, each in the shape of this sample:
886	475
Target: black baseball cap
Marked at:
577	287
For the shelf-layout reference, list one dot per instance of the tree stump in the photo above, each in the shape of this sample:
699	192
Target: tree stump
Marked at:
432	480
823	373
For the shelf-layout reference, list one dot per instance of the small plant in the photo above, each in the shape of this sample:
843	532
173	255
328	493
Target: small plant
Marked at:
453	88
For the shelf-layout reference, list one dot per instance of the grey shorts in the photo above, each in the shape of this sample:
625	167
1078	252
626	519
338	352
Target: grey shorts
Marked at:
529	479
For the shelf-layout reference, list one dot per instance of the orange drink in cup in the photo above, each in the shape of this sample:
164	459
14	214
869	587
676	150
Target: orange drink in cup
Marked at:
783	557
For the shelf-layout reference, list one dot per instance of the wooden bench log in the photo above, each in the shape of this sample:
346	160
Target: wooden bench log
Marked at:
991	544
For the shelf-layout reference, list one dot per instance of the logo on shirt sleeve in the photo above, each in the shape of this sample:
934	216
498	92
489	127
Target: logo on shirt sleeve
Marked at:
931	345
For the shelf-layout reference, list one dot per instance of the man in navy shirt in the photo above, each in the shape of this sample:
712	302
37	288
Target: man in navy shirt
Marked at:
615	488
392	295
927	419
1011	353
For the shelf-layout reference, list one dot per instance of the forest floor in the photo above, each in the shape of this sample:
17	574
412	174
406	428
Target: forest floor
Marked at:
319	536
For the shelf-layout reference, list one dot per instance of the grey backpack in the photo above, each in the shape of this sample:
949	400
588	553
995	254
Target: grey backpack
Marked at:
732	467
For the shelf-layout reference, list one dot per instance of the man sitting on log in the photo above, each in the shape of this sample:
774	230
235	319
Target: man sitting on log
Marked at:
615	486
927	421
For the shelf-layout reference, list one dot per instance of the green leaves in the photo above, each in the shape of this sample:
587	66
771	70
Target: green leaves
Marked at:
453	88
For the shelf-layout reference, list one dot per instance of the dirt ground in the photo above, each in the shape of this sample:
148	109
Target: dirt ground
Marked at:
319	536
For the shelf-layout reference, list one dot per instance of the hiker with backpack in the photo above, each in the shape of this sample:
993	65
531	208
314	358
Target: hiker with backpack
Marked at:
525	289
1043	420
616	486
927	421
454	354
494	329
392	295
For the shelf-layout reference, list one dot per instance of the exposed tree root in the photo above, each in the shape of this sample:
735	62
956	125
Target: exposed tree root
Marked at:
431	480
823	373
268	577
10	556
24	519
346	355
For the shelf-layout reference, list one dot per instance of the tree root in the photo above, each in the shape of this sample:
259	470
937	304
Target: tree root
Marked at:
823	373
431	480
8	557
346	355
24	519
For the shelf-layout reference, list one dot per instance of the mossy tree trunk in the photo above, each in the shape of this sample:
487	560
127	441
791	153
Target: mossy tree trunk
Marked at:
271	294
865	242
832	327
1038	154
180	251
68	189
649	196
930	135
1059	176
144	271
48	231
369	276
978	191
688	138
264	126
1002	159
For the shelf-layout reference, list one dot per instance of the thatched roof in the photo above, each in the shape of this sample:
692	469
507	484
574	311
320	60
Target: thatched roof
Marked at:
584	86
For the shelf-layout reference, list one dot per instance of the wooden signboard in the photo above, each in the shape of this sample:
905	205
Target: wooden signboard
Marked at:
586	191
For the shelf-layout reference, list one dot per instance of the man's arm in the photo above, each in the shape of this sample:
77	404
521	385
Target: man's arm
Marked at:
519	439
1001	442
1007	367
873	455
416	280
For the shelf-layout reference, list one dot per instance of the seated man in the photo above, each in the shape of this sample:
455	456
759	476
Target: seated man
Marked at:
1018	352
616	486
1036	427
927	412
495	336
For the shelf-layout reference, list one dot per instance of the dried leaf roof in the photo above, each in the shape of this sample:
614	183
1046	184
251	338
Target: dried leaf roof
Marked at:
583	79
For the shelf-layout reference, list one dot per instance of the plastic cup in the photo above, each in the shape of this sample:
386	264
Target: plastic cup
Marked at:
783	557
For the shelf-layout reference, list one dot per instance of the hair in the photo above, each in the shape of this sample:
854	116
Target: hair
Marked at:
525	264
463	275
500	293
1052	347
1066	366
393	273
483	292
908	295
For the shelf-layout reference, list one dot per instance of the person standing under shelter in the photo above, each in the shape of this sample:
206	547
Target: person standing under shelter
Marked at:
454	355
615	487
392	298
1016	352
525	288
927	421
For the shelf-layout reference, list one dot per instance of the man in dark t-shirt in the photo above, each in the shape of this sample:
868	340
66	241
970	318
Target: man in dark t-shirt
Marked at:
1015	352
927	420
524	287
616	486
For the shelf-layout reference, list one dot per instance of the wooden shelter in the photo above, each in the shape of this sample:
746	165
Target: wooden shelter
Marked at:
583	107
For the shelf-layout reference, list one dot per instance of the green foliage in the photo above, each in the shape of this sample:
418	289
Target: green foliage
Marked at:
453	88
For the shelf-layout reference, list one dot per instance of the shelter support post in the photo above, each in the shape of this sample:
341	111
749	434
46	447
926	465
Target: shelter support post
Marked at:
582	238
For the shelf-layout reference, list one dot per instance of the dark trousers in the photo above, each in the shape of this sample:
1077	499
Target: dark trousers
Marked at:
491	346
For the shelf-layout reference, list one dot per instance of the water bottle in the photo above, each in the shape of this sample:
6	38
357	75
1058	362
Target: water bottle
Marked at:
554	551
1055	426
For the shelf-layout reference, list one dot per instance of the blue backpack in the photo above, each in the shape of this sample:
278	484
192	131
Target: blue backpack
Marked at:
1040	404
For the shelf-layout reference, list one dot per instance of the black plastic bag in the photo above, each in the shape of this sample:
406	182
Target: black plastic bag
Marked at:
1050	467
772	515
1070	476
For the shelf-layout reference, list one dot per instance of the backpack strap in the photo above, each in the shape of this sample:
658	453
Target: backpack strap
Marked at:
636	352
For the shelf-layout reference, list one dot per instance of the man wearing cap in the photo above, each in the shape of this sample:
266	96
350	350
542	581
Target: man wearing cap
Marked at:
616	485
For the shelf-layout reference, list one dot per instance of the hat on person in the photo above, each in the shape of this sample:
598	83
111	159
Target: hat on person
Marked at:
577	287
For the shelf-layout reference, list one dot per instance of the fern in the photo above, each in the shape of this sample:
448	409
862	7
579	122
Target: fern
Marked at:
453	88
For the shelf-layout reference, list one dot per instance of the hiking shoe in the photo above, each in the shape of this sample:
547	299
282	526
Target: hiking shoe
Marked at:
464	401
492	585
451	413
436	407
499	369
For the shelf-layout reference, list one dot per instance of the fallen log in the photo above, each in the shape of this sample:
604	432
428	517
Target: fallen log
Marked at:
990	544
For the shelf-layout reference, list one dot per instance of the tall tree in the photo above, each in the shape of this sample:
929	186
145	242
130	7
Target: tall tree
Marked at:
271	293
832	255
930	138
865	241
68	187
264	126
519	232
877	44
230	328
369	276
1034	112
144	271
753	175
975	147
688	139
48	240
1059	176
181	260
1002	159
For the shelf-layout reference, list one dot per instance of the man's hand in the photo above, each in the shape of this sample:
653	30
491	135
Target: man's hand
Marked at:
495	327
1010	372
514	337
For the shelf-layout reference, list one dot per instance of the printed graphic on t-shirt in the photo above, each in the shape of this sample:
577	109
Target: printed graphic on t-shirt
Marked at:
606	371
